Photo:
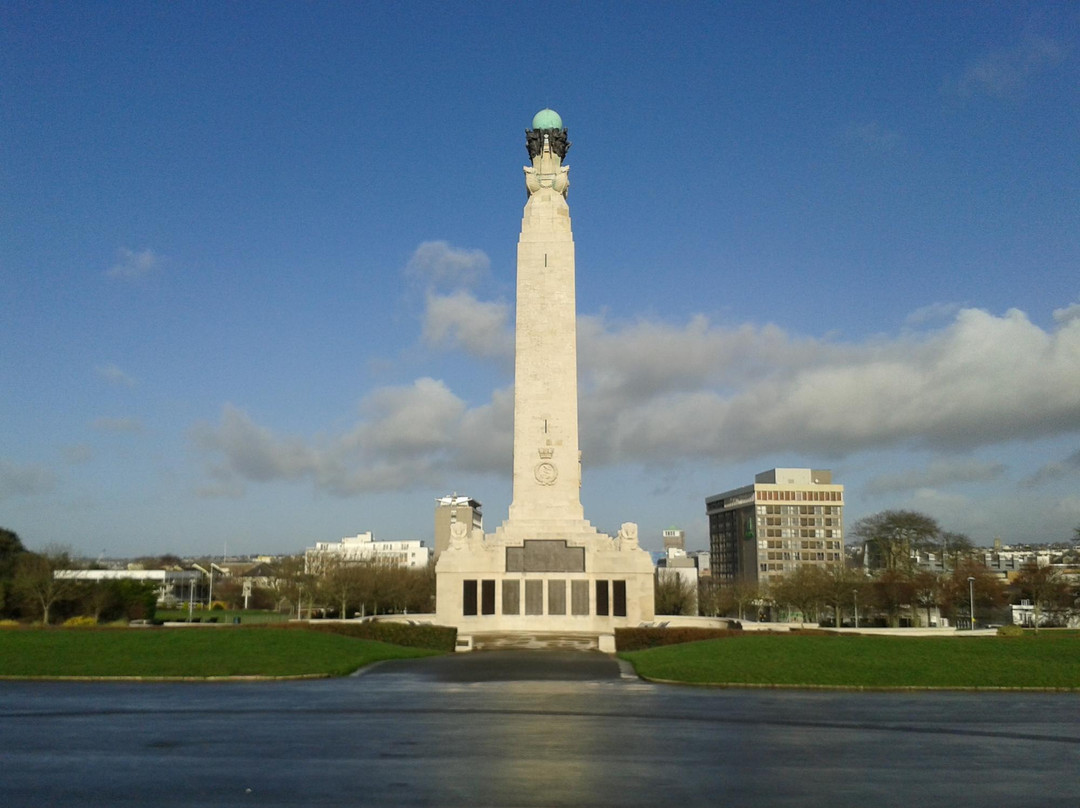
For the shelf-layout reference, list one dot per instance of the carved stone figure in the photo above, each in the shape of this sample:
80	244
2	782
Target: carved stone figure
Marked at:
627	538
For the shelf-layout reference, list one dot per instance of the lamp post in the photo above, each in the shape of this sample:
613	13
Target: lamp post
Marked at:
855	595
971	596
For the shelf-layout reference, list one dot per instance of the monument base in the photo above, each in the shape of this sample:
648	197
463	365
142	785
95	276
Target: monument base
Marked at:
545	577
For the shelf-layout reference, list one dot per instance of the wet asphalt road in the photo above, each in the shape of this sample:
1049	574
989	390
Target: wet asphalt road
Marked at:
527	728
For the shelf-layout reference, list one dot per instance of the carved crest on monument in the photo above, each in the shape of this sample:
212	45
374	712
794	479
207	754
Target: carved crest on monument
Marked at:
546	473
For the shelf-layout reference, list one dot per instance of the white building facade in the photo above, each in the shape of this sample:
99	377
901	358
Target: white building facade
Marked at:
412	553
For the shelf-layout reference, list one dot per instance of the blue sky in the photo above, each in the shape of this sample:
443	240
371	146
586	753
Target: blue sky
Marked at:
257	262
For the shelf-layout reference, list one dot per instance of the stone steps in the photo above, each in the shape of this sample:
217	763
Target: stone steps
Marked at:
563	641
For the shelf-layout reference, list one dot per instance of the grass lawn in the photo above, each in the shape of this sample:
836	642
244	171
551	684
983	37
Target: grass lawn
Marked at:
224	615
1050	659
195	652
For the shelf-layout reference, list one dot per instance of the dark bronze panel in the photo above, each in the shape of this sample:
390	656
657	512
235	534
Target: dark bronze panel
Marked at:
545	556
579	597
511	597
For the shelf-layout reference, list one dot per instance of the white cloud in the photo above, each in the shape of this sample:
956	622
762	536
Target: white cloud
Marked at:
932	313
24	480
407	437
131	265
459	320
114	375
438	264
1068	314
938	474
659	394
982	380
118	425
1008	71
1054	471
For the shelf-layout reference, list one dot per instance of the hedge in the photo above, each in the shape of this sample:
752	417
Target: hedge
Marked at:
636	639
435	638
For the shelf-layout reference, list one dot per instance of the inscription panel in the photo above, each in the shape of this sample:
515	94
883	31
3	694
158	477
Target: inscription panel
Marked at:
579	598
538	555
534	597
556	597
511	597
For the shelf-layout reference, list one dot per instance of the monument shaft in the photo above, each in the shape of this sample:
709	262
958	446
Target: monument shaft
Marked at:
547	476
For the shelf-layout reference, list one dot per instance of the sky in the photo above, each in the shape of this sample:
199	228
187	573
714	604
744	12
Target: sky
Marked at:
257	262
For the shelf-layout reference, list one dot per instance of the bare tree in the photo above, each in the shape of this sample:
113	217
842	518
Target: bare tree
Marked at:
839	584
1045	587
36	583
926	591
737	596
803	590
891	591
674	595
891	537
957	545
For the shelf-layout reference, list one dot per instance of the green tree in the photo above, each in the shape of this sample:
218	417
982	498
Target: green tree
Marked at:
891	538
11	548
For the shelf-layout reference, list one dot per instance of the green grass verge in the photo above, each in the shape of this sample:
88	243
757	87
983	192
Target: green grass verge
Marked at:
188	652
1050	659
247	616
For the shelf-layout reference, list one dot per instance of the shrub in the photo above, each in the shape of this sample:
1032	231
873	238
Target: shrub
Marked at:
1010	631
217	606
9	624
435	638
81	621
635	639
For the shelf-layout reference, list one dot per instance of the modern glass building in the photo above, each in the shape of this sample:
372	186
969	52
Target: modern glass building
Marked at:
786	518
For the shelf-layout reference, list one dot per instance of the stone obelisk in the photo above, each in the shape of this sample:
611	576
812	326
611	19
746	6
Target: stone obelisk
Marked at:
547	471
545	569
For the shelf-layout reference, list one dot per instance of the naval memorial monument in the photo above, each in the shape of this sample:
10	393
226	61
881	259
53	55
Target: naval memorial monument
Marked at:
546	568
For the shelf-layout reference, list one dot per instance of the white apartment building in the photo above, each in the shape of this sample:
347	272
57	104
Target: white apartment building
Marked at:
410	553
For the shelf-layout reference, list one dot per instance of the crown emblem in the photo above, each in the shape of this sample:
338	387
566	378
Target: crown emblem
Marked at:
546	452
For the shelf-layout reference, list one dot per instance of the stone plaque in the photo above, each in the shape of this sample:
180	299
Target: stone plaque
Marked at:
534	597
556	597
579	597
545	556
511	597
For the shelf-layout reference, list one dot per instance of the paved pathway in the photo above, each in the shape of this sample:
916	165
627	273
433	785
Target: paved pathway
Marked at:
527	729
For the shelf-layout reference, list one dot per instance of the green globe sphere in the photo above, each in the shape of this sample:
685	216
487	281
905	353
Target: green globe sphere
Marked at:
547	119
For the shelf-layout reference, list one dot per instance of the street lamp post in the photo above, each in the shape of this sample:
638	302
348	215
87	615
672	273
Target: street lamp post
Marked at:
971	596
855	594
